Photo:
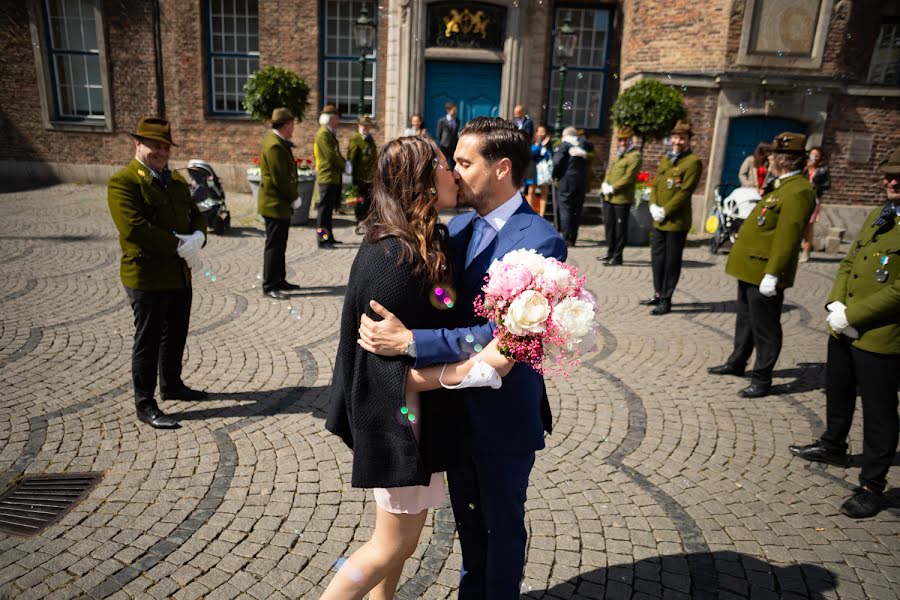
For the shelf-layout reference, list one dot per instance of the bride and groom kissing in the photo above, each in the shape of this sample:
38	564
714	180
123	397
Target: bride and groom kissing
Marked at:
417	389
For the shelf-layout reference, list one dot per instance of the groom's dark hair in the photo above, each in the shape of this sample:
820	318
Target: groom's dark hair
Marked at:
501	139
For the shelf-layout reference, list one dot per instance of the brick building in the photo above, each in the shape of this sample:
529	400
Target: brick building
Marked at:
86	70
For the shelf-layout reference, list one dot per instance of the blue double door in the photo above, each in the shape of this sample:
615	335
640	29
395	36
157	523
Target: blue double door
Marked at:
745	133
474	87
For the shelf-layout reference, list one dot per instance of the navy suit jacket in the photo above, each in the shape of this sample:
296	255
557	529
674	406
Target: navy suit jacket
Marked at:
511	420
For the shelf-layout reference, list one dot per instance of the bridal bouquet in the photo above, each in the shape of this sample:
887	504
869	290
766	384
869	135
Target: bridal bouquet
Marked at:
543	315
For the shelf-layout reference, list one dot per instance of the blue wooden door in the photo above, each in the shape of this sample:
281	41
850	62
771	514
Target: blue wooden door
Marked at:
745	133
474	87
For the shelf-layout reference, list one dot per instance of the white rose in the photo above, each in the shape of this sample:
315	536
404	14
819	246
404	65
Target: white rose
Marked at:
575	317
527	314
530	259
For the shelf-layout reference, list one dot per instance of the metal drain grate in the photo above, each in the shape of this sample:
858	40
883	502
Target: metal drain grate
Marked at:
38	501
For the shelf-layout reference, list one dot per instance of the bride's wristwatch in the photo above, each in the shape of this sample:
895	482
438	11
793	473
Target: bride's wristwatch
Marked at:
411	347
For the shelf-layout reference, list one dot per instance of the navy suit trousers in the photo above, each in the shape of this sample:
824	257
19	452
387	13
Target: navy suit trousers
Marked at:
488	497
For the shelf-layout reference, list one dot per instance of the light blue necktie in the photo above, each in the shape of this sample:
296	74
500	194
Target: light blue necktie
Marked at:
478	228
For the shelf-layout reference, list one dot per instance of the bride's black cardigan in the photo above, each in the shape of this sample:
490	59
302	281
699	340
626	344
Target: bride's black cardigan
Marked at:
367	391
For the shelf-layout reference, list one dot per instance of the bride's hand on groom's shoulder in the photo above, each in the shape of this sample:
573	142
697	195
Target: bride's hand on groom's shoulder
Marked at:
493	357
388	337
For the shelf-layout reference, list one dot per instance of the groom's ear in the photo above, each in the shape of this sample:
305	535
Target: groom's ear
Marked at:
503	168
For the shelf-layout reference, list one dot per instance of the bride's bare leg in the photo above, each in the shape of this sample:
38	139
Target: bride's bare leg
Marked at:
388	586
393	541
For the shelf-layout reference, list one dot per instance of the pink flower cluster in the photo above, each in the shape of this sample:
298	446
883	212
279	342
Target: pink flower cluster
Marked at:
543	315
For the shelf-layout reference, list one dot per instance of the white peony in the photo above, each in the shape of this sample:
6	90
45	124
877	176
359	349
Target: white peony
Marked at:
527	314
530	259
556	275
574	317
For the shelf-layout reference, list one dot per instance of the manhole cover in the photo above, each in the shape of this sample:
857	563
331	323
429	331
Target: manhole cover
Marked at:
38	501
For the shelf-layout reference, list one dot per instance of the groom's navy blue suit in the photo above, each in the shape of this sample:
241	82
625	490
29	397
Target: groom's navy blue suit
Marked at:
505	427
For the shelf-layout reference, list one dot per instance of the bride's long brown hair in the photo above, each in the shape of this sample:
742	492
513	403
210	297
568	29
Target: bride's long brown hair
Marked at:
404	199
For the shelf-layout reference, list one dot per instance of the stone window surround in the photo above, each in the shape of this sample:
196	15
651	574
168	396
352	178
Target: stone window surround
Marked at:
814	61
406	56
39	35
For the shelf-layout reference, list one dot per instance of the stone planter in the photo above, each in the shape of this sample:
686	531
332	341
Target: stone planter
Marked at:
639	220
305	186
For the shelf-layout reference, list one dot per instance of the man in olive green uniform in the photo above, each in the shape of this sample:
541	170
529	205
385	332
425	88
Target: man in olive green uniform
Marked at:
329	167
618	195
161	232
864	351
277	192
670	206
764	261
361	151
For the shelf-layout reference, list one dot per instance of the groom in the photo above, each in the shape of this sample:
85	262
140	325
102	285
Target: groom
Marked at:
505	427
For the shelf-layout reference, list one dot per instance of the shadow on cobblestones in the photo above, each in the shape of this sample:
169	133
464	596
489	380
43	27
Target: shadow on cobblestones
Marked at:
264	403
725	306
737	576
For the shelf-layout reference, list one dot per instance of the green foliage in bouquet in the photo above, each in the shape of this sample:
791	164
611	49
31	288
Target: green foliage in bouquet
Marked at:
274	87
650	108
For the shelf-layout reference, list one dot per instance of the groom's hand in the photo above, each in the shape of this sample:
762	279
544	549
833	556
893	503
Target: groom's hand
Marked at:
388	337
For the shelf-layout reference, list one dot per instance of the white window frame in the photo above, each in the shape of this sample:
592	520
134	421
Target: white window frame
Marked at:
47	83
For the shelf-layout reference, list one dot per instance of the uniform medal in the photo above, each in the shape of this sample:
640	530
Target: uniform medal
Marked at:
777	183
669	183
881	275
761	219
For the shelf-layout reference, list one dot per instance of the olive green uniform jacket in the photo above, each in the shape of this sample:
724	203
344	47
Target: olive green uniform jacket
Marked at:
672	189
873	308
329	162
622	176
773	248
278	178
361	153
148	217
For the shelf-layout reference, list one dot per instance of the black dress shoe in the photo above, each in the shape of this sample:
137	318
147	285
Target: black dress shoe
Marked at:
288	287
152	416
817	452
649	301
613	263
326	244
755	390
664	306
726	369
275	295
183	393
862	505
605	258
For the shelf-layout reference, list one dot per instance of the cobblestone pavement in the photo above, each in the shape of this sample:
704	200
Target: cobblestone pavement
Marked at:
657	482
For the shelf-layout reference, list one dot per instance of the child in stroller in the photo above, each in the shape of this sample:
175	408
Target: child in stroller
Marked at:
207	193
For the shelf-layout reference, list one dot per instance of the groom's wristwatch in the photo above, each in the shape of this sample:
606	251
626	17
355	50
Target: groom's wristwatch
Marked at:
411	347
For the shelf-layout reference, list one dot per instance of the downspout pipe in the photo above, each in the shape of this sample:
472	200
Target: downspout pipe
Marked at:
157	50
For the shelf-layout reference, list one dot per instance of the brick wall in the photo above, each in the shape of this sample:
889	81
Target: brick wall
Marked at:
288	38
854	183
677	36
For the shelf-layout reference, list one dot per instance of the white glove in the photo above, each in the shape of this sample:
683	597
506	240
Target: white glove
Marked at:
606	188
837	320
836	306
190	244
767	285
480	375
297	203
194	263
348	167
657	212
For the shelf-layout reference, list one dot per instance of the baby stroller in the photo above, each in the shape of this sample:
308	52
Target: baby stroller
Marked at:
207	193
728	214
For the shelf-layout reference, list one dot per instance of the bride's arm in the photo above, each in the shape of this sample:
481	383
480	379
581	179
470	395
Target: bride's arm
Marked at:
429	378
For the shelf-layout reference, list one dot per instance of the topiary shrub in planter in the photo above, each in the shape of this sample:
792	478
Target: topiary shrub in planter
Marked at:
650	108
274	87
